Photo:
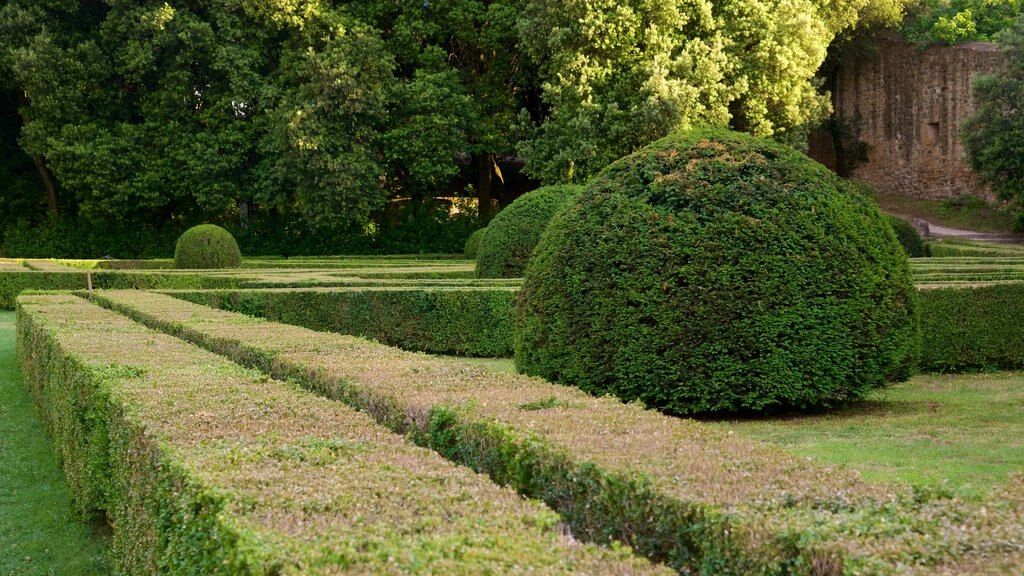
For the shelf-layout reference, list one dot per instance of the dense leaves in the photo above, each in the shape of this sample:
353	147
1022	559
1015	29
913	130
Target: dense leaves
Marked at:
994	135
305	117
712	272
949	21
515	231
207	246
908	236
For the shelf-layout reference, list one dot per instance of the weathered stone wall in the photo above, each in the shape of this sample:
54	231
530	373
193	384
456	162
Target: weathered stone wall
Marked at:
907	105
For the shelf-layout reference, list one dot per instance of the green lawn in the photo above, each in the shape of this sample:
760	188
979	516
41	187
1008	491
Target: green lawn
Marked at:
966	429
37	533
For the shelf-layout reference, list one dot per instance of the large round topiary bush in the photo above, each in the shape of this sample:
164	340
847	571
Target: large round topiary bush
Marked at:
515	231
472	247
908	236
207	246
718	272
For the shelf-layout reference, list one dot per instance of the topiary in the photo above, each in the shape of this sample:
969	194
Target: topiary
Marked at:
515	231
472	247
908	237
207	246
714	271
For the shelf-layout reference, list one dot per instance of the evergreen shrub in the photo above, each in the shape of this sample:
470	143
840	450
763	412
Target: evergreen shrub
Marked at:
515	231
718	272
472	247
908	236
207	246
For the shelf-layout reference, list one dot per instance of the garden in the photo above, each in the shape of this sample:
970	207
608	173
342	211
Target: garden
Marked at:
716	357
499	287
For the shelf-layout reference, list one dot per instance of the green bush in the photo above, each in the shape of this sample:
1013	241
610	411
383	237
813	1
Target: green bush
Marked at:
515	231
473	243
463	322
972	328
696	497
714	271
207	246
908	236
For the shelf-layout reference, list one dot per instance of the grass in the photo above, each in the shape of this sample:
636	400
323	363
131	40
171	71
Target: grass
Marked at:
961	430
963	213
37	533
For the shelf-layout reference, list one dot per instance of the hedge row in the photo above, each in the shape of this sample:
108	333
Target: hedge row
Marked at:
14	283
460	321
969	328
204	467
963	327
700	499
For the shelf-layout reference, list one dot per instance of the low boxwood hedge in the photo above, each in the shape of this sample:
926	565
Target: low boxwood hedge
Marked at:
460	321
698	498
972	328
204	467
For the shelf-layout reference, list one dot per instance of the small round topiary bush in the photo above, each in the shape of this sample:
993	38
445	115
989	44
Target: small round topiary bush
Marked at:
718	272
515	231
472	247
908	237
207	246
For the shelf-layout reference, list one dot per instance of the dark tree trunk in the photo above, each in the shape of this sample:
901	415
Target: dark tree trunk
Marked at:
51	189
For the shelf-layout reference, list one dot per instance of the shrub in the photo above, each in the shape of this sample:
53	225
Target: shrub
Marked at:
515	231
714	271
972	327
473	243
908	236
207	246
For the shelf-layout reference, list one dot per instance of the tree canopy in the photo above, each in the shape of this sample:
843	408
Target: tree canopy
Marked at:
317	112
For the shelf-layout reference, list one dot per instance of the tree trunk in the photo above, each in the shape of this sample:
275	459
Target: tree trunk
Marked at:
51	189
484	189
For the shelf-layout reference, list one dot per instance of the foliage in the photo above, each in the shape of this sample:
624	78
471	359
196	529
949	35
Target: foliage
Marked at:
951	21
617	473
908	237
617	75
994	136
467	322
183	500
713	271
207	246
971	328
515	231
472	246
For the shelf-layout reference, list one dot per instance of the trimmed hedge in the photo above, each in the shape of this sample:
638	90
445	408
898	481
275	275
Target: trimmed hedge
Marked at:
207	246
701	499
972	328
717	272
204	467
460	321
515	231
908	236
14	283
473	243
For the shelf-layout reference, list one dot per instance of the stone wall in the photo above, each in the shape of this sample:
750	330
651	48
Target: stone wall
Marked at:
907	105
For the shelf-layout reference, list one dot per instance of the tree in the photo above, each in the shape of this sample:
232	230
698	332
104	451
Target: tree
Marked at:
617	75
994	135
